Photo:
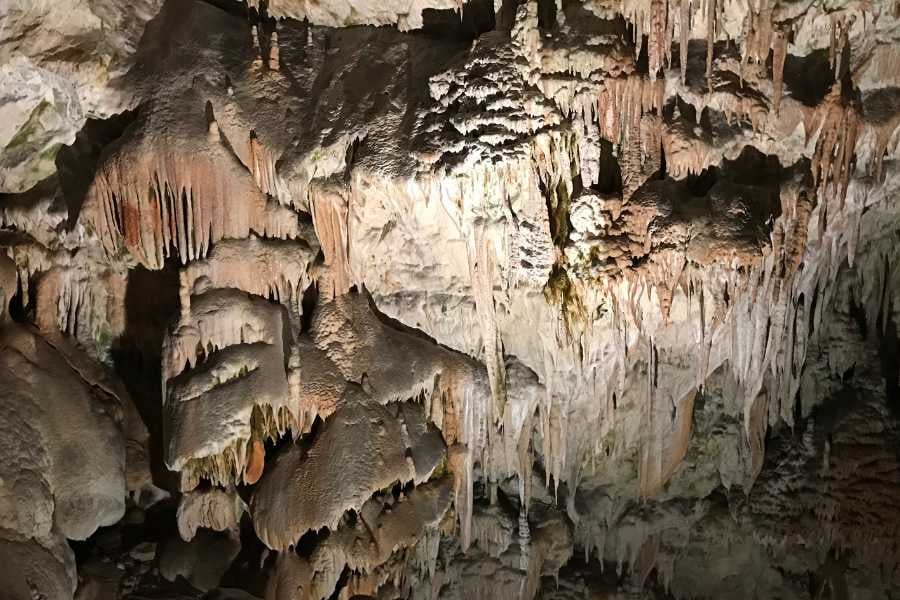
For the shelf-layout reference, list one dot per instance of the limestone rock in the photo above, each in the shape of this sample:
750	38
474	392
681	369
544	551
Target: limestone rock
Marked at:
57	477
52	81
211	509
539	299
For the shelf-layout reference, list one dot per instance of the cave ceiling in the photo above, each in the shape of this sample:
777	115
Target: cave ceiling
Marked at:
447	300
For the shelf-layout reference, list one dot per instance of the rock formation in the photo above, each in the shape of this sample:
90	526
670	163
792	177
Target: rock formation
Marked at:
449	299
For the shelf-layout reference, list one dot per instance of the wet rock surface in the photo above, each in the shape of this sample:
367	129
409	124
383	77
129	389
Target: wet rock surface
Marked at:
448	300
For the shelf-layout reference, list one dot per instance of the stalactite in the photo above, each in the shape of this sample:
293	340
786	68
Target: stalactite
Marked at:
214	136
262	267
884	133
460	462
255	462
641	156
755	427
838	128
840	28
262	167
329	208
684	28
146	204
758	33
796	239
482	267
711	11
274	56
659	44
779	54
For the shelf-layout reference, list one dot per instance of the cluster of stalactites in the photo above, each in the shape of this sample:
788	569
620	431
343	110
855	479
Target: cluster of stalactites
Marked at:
217	319
741	323
652	17
225	388
383	528
838	126
659	20
621	103
147	205
789	233
242	461
275	269
624	111
85	303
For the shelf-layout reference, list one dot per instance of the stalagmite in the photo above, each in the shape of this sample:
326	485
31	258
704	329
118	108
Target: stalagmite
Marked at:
274	55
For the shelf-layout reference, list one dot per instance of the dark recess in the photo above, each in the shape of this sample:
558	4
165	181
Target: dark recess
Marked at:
477	18
151	306
77	163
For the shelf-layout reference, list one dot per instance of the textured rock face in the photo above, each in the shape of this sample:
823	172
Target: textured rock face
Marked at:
64	472
427	299
58	66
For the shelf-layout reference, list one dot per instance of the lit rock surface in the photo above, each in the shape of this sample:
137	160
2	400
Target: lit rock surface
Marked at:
450	300
405	14
213	509
311	488
74	486
55	481
52	81
230	346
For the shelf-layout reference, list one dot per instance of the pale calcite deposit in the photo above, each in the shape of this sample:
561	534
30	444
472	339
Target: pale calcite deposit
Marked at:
59	64
213	509
444	300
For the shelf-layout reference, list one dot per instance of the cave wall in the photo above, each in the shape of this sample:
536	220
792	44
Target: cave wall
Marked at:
429	299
